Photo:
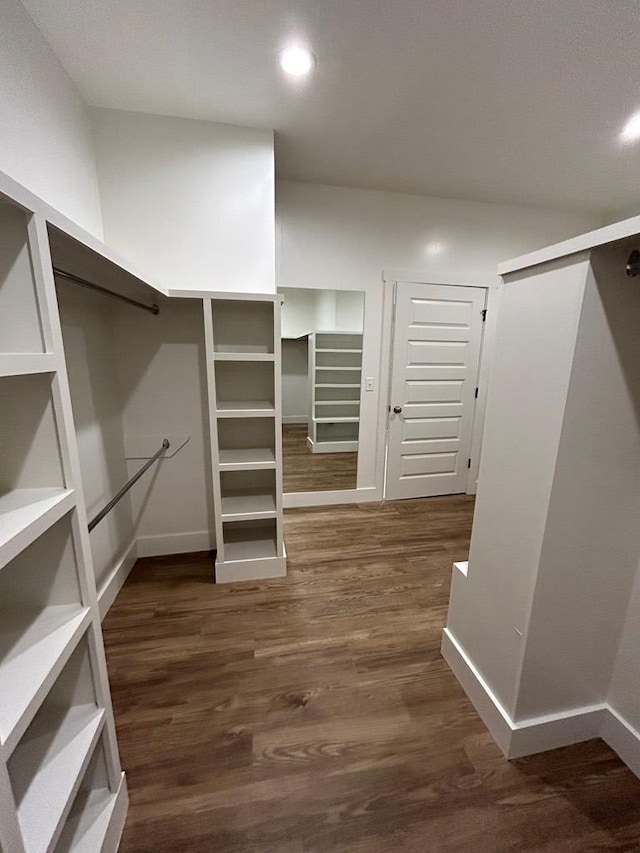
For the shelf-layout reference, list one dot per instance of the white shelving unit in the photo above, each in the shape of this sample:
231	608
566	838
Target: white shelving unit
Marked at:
335	368
243	370
56	720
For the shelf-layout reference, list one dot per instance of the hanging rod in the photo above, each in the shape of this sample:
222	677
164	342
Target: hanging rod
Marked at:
153	309
633	264
123	491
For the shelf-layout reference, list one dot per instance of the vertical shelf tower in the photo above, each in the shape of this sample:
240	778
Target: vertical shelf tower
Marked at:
61	784
243	370
335	368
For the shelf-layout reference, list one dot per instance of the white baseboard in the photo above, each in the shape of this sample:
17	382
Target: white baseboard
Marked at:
623	739
118	575
343	496
251	570
524	737
175	543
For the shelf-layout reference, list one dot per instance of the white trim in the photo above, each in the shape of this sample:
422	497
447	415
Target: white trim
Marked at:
115	829
425	277
463	568
623	739
343	496
525	737
584	242
175	543
251	570
118	575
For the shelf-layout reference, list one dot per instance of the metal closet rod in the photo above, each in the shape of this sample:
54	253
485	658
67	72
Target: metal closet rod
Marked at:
123	491
153	309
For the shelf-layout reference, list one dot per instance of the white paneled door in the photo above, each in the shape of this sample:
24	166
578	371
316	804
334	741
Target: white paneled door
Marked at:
436	353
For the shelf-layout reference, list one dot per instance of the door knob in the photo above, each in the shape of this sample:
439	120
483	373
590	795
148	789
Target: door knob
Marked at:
397	409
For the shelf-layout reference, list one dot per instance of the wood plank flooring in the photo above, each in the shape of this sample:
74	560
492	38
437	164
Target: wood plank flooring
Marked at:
314	714
304	471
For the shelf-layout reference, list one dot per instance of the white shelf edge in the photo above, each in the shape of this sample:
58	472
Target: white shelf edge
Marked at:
338	369
58	781
68	634
25	364
336	420
102	817
341	350
26	514
245	356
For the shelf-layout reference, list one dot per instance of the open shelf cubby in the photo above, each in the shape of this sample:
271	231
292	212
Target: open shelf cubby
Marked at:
47	766
42	617
246	444
245	387
32	485
20	324
250	540
247	495
90	816
243	326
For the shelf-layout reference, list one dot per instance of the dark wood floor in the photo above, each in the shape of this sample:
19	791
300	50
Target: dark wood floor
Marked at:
314	714
304	471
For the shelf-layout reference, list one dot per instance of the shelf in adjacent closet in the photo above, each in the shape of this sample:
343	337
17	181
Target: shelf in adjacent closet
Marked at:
325	349
336	420
26	513
21	364
246	409
247	459
337	385
244	356
87	826
50	764
33	651
355	402
248	507
338	369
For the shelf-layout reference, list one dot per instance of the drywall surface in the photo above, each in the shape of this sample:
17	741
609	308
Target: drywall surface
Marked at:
90	349
592	537
46	142
295	381
161	371
490	608
343	239
189	202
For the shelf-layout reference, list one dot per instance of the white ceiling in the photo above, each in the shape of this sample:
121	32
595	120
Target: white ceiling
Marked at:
504	100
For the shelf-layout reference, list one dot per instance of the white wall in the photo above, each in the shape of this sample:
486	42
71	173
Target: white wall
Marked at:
625	682
189	202
88	328
295	381
46	142
162	378
343	239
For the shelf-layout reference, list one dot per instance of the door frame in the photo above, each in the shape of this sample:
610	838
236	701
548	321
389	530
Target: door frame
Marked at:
493	286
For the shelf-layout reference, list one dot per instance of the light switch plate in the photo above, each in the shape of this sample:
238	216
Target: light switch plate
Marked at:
368	383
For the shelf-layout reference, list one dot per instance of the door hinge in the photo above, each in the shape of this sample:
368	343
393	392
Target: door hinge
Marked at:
484	314
477	389
469	463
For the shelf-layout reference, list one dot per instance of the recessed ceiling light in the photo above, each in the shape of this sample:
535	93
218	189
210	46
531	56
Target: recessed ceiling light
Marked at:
631	131
297	61
434	247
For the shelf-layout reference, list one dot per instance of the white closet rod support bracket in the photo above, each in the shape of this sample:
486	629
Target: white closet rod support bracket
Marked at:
123	491
152	309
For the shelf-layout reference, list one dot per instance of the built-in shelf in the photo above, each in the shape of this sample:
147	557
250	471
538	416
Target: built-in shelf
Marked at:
46	770
337	385
247	507
351	420
22	364
246	409
26	513
247	459
325	349
244	356
263	548
337	402
33	650
337	369
87	825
